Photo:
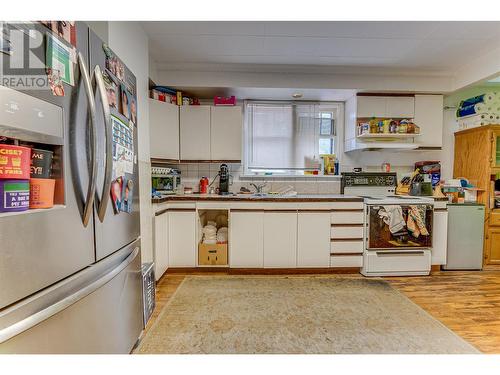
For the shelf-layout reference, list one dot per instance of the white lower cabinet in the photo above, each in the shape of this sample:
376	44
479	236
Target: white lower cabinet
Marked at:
161	244
246	239
313	239
280	239
182	238
439	236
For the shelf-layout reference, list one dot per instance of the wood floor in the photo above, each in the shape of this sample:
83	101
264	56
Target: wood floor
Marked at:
466	302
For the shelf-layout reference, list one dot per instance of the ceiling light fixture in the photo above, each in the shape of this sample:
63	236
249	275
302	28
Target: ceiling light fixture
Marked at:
297	95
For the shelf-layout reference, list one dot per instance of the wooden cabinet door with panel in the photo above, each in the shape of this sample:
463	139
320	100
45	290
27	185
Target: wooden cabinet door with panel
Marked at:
492	254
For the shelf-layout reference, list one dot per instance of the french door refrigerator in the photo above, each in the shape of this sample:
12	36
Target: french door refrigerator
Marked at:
70	276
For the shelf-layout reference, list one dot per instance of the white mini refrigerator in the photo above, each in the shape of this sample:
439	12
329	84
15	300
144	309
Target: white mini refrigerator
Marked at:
465	237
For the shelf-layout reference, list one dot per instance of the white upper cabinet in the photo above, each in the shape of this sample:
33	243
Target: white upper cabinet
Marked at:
400	107
386	106
371	106
195	132
225	133
164	130
429	116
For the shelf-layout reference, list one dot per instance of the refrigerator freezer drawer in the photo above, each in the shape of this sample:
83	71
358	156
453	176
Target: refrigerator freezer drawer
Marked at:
104	316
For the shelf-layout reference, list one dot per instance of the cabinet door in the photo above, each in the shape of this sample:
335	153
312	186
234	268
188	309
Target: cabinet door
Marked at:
371	106
493	246
164	130
400	107
225	133
161	245
495	149
182	238
313	239
280	239
429	117
195	132
439	237
246	239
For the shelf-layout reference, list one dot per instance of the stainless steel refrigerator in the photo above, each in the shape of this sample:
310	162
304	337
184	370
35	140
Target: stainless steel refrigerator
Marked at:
70	276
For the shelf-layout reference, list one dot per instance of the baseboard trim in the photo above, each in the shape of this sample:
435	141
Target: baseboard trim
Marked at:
265	271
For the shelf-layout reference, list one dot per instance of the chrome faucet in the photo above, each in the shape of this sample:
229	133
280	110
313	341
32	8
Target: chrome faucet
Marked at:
258	188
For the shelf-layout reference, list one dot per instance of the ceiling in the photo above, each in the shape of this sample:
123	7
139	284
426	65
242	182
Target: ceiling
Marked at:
433	47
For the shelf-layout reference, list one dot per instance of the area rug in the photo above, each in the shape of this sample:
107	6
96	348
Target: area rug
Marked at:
232	314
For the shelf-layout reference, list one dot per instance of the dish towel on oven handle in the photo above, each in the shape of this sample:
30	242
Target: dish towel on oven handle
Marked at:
416	221
393	217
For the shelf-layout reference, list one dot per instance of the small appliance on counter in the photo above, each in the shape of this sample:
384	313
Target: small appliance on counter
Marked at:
224	179
165	180
465	236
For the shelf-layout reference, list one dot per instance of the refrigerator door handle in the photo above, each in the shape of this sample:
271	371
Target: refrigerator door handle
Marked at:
89	200
102	203
31	321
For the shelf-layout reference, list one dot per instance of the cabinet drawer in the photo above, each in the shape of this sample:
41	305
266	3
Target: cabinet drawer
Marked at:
346	247
347	217
495	218
346	231
398	261
346	261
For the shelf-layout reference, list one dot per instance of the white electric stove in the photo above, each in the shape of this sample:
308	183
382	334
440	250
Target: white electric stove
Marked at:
405	252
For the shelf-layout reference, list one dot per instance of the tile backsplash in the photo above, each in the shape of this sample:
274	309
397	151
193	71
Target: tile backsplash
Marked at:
191	174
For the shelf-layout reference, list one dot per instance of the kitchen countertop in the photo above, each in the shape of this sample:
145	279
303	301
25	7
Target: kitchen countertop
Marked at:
251	198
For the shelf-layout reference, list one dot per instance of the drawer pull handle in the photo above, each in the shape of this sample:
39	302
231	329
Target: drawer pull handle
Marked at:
380	253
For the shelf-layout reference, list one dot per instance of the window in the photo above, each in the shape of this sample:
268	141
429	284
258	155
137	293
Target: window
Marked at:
287	138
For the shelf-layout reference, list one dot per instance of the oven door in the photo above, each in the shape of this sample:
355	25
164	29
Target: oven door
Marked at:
399	227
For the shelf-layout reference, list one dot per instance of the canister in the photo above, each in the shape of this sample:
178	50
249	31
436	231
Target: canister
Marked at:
14	162
41	163
14	195
42	193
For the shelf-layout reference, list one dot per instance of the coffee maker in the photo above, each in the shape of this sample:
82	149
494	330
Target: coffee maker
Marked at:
223	180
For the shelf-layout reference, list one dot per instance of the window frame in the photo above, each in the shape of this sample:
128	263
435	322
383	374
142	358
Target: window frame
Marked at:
337	109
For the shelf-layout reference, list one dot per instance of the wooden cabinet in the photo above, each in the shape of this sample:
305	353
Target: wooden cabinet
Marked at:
280	239
493	245
161	244
313	239
429	117
164	130
182	245
225	133
195	132
475	159
439	236
246	239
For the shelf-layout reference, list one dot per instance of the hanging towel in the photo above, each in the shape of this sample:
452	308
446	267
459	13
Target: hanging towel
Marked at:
416	221
393	217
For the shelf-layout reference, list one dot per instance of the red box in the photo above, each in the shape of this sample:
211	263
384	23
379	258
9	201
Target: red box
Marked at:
15	162
222	100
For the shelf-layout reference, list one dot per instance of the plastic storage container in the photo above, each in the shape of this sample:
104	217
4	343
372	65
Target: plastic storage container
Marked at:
41	163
